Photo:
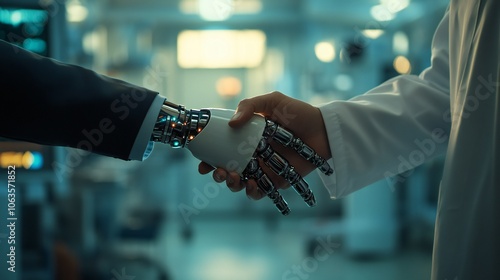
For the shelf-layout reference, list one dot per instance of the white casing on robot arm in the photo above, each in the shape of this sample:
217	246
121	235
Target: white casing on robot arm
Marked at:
220	145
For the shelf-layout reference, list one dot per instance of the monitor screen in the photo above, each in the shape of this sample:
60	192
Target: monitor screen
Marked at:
25	27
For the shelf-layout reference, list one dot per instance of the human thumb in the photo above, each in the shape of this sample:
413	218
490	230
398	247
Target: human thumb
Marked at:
263	104
241	116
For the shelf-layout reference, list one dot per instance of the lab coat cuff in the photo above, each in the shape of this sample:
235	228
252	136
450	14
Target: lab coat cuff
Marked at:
335	184
143	147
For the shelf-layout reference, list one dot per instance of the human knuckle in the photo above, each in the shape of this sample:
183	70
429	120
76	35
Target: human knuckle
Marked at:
276	93
244	102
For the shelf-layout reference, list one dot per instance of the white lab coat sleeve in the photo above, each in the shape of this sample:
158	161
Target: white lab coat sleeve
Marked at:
391	128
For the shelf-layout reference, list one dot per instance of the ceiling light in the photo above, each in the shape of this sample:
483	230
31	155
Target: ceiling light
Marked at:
402	65
381	13
372	33
228	86
395	6
221	48
215	10
400	43
325	51
76	12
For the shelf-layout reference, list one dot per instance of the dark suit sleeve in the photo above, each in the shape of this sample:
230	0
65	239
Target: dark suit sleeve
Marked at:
52	103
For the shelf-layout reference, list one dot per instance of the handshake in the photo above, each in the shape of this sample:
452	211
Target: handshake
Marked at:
269	143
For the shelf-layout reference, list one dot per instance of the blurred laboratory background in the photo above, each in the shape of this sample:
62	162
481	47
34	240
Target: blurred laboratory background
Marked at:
85	216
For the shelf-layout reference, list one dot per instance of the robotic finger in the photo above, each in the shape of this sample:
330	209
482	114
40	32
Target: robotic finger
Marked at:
286	138
254	171
282	167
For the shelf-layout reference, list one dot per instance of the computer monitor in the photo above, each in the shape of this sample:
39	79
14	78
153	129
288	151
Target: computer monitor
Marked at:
26	26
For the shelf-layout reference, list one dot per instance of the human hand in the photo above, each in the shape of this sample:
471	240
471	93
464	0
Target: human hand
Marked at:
303	120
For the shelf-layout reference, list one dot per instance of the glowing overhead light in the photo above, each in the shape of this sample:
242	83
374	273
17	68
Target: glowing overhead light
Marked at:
395	6
228	86
215	10
402	65
400	43
372	33
220	48
218	9
381	13
76	12
325	51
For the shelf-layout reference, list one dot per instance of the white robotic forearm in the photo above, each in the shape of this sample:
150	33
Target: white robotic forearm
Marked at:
206	133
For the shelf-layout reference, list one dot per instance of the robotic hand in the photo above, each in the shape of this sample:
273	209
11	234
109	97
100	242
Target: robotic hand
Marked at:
207	135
